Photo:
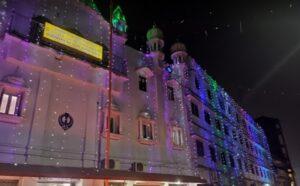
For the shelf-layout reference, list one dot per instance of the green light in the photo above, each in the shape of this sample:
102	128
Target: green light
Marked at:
119	20
212	83
91	4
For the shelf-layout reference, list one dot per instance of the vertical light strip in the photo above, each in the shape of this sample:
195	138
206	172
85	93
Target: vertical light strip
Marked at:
4	103
13	103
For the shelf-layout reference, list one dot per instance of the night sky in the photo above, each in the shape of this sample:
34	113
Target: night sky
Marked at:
252	49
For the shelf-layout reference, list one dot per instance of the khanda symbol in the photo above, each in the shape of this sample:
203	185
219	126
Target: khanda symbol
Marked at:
65	121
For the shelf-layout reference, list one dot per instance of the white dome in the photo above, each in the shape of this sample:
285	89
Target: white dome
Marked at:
178	47
154	32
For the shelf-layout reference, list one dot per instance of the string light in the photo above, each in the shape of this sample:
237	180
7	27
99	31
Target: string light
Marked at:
56	142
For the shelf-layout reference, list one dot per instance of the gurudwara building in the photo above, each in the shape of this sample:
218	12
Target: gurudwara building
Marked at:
170	124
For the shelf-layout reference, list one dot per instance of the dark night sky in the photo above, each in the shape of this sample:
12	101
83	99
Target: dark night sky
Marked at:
252	49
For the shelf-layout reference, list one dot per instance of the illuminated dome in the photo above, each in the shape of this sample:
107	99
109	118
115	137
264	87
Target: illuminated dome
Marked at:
154	32
145	114
178	47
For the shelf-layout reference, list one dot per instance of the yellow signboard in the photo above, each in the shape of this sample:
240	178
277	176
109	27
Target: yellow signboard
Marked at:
66	38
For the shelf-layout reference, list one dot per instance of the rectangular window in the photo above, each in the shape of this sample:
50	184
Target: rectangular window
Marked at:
256	170
209	94
226	130
252	169
283	151
147	131
244	122
223	158
247	144
177	136
234	136
212	154
218	124
232	164
237	117
197	83
170	91
142	83
200	148
115	125
256	151
251	146
280	137
221	103
241	139
261	172
207	117
240	164
249	130
195	110
259	152
246	166
229	111
9	104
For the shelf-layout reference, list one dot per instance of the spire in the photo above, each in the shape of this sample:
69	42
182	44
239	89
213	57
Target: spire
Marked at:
91	4
119	20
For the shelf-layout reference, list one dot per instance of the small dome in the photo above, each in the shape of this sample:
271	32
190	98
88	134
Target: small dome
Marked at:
154	32
178	47
145	114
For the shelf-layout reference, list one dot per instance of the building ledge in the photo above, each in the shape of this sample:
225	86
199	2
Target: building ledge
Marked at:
113	136
6	118
176	147
146	142
92	173
145	72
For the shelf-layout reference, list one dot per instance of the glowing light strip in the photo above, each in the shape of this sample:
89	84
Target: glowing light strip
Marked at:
66	38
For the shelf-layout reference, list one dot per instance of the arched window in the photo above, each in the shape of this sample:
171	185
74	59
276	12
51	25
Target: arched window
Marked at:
177	136
170	92
12	93
143	83
146	129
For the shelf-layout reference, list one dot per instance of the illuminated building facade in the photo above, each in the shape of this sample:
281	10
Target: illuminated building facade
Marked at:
169	124
227	145
284	173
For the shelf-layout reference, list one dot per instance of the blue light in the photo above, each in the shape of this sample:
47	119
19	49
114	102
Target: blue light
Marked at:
169	69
